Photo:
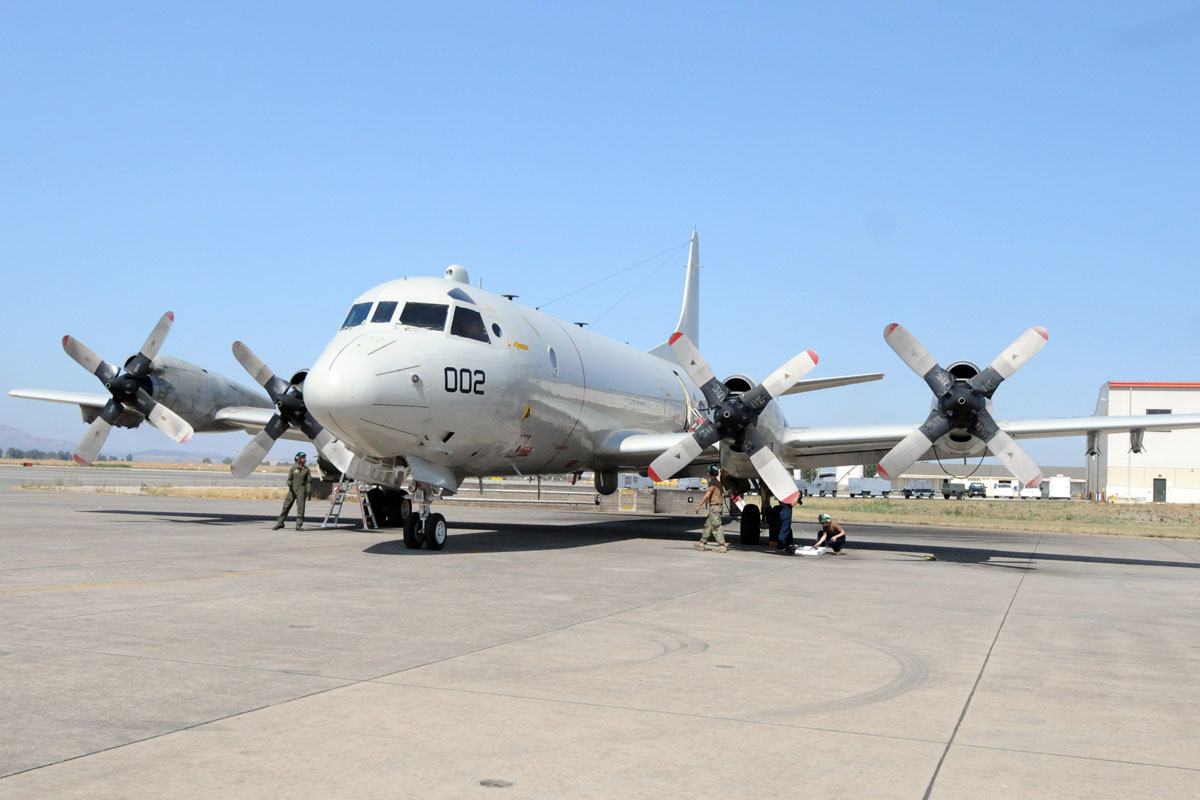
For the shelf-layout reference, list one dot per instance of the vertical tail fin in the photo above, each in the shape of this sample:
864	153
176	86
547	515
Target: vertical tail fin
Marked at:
689	315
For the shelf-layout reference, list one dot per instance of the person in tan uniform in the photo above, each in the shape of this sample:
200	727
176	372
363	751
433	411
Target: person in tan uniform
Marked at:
714	498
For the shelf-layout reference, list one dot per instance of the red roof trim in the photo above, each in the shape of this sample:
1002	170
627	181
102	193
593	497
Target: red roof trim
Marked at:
1152	385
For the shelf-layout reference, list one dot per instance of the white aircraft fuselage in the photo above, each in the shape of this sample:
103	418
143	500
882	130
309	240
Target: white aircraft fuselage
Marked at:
478	384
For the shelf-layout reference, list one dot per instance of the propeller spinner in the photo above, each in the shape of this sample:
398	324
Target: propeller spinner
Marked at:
290	412
128	387
733	417
962	405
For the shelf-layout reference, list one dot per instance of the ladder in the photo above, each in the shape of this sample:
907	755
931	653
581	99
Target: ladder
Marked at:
338	499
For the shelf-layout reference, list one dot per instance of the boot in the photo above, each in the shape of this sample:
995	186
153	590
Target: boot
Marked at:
300	526
720	548
278	525
699	545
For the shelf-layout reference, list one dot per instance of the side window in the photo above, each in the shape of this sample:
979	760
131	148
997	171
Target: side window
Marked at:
424	315
467	322
384	311
357	315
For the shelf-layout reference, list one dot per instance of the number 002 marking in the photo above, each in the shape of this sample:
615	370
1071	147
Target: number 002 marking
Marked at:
464	381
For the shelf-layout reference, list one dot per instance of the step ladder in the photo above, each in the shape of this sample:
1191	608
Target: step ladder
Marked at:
338	499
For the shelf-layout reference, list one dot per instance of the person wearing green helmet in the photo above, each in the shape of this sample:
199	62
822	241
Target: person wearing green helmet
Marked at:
832	535
714	498
299	483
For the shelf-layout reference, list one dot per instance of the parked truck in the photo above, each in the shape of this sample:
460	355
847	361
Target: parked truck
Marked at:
1004	489
918	488
869	487
825	487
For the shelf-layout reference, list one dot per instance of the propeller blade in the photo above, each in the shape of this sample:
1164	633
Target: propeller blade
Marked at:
1015	356
912	447
139	365
253	454
683	452
769	467
163	418
332	448
1006	450
697	368
258	369
84	357
918	359
93	440
779	381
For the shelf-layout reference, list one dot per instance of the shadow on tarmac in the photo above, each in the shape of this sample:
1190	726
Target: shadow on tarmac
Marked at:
507	537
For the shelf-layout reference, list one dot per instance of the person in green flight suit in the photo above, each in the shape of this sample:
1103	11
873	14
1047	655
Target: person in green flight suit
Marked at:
299	483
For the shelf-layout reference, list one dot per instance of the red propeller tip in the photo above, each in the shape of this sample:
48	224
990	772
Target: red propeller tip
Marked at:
674	337
883	472
171	316
1045	335
79	460
813	355
791	498
653	475
66	339
1036	481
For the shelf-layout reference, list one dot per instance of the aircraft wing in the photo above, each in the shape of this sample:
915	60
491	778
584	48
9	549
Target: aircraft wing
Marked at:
863	443
83	399
814	384
252	420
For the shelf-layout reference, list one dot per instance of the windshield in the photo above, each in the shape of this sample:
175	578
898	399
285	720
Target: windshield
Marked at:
424	315
357	315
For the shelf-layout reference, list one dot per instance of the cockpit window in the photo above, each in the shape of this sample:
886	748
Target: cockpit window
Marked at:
424	315
459	294
384	311
357	315
467	322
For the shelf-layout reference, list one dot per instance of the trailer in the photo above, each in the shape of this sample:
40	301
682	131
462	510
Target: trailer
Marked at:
825	487
869	487
1059	488
918	488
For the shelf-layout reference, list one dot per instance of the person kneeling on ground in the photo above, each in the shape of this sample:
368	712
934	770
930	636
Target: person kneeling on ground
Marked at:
714	498
832	535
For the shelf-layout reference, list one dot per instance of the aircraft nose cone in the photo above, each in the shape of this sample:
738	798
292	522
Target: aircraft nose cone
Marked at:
365	393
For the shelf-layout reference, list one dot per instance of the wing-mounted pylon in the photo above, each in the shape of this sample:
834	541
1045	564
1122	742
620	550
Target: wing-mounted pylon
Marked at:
733	417
290	412
128	386
962	405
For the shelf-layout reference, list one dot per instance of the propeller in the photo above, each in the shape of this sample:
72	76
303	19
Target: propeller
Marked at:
962	405
128	387
733	417
290	412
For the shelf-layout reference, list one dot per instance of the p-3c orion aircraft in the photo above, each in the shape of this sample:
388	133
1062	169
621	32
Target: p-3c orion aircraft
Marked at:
429	381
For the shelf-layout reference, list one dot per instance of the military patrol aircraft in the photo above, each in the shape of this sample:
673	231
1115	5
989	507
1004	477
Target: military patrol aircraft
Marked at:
430	380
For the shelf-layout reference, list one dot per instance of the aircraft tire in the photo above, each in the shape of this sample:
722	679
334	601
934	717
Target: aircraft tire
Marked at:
435	532
412	536
751	517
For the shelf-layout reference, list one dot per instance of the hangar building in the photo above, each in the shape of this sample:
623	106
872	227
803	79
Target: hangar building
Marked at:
1167	468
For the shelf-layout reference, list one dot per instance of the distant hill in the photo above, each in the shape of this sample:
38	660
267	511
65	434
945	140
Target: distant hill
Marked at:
15	437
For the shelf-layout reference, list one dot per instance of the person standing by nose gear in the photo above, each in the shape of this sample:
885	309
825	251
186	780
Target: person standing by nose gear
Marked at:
714	498
786	545
299	483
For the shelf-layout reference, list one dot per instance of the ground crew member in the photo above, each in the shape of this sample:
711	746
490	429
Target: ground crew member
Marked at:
299	483
832	534
714	499
785	528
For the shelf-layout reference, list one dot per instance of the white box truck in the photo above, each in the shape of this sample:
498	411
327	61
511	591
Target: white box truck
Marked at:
1059	488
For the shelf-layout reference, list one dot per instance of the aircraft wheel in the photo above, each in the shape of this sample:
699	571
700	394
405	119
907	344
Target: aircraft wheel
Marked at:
435	532
750	522
412	536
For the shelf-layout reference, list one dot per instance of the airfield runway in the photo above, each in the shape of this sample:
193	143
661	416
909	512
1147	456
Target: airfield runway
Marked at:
155	647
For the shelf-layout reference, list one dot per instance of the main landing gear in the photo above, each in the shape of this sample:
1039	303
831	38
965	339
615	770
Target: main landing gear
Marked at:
422	528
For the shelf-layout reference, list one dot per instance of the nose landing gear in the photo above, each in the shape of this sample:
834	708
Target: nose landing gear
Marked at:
422	528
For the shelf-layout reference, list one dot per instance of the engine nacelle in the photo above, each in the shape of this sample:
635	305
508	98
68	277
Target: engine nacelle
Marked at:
739	384
196	394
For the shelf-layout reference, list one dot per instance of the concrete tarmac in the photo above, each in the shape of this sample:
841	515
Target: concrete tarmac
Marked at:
176	647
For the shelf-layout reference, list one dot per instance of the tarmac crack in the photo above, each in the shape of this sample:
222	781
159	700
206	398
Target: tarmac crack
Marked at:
982	668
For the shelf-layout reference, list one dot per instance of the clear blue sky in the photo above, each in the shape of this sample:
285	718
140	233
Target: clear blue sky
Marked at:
966	169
